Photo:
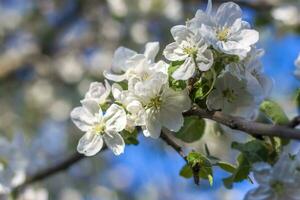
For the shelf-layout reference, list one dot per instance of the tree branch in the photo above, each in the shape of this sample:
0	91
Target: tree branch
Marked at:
237	123
52	170
250	127
167	139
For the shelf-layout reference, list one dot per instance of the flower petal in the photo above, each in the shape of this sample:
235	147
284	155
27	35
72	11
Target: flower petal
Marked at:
115	142
185	71
153	125
115	118
227	13
114	77
121	55
205	60
82	118
173	52
151	50
180	33
90	144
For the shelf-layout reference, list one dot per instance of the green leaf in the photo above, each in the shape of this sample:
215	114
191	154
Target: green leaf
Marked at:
254	150
192	130
251	152
130	137
274	112
186	171
298	100
175	84
201	167
226	166
277	115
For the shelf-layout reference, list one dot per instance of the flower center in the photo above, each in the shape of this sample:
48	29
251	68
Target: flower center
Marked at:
278	187
192	51
229	95
99	128
223	34
155	102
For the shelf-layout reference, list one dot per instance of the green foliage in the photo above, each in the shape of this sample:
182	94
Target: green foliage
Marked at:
277	115
298	100
130	137
274	112
251	152
175	84
186	171
192	130
198	166
204	85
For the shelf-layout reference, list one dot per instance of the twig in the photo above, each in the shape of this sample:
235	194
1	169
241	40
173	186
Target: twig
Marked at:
165	137
56	168
250	127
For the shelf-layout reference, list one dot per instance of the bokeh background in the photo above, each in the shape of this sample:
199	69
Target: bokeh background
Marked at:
50	50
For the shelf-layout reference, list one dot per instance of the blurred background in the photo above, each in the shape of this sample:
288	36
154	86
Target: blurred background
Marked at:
50	51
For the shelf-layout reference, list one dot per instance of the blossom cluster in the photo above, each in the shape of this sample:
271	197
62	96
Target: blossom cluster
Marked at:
213	59
278	182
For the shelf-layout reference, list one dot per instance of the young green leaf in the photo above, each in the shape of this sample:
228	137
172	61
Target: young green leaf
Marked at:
274	112
192	130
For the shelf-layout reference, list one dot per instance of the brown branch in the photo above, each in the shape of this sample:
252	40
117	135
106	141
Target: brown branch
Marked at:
250	127
167	139
52	170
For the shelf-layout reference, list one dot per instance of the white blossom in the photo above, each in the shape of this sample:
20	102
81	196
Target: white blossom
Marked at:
98	92
127	62
280	182
190	48
163	105
225	30
297	64
258	84
98	127
231	96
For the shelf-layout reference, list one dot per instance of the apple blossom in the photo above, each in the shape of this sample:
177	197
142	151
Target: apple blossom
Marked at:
98	127
190	48
98	92
279	182
231	96
126	60
163	105
225	30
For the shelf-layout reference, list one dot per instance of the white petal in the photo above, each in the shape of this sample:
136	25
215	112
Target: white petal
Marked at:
173	52
262	173
115	142
117	91
180	33
114	77
205	60
261	193
90	144
134	106
227	13
120	57
151	50
247	37
91	106
153	125
82	118
171	119
115	118
185	71
177	99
